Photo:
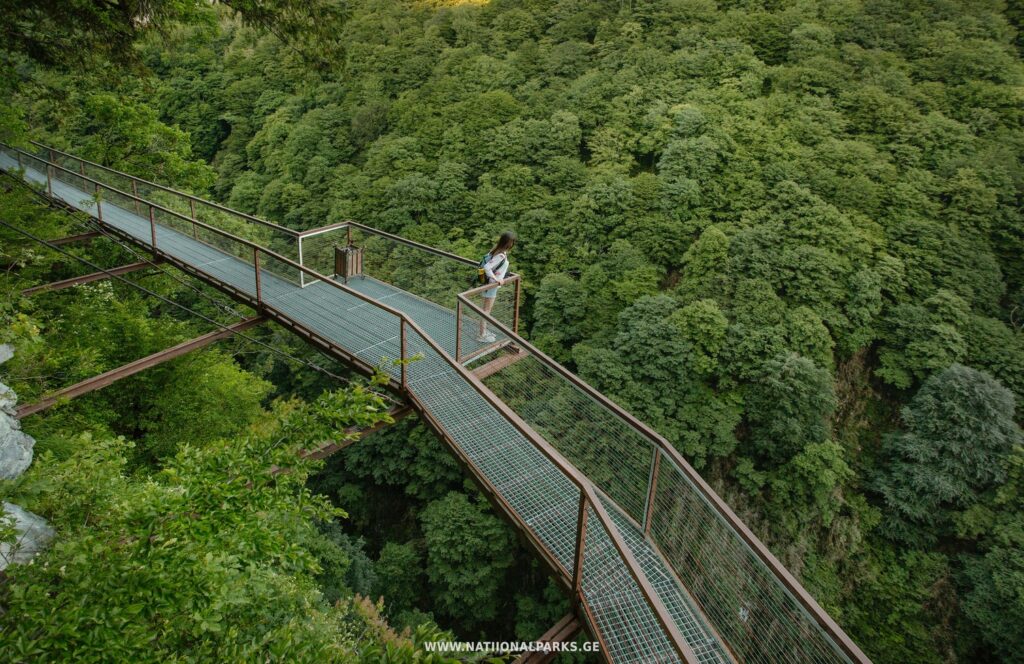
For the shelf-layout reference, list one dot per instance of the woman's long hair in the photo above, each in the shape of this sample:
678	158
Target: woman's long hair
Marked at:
505	242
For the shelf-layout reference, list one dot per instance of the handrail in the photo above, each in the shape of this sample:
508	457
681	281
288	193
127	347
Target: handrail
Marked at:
789	582
391	236
155	206
249	217
170	190
583	483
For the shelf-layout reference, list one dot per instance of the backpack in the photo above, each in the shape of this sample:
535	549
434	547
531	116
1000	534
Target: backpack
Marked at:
481	277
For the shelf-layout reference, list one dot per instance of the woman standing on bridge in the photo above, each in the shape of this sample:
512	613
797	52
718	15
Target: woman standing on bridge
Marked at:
495	267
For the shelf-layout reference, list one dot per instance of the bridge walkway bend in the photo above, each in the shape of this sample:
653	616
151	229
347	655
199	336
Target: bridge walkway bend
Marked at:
659	567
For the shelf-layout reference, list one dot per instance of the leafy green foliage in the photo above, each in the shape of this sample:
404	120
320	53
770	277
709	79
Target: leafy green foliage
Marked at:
923	338
897	611
468	553
701	190
212	555
960	429
407	457
400	570
658	362
996	578
569	310
788	408
71	33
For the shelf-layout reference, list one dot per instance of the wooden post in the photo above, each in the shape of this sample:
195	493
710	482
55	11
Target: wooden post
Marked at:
652	488
99	205
349	233
49	181
256	264
152	226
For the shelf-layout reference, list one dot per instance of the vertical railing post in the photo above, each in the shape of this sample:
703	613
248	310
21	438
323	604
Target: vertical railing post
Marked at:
99	204
652	488
256	266
348	230
404	354
192	208
152	226
515	306
18	153
81	168
135	193
581	539
458	329
49	181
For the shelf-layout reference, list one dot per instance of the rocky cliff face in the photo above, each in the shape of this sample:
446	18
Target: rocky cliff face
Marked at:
32	532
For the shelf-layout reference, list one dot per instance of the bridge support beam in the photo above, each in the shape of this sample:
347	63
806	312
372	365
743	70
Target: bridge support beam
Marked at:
81	237
327	449
89	278
560	632
494	366
132	368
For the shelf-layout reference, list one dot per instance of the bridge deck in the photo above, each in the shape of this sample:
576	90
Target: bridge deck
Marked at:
518	474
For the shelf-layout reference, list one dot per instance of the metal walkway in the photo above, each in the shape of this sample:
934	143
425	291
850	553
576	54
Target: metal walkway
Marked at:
645	600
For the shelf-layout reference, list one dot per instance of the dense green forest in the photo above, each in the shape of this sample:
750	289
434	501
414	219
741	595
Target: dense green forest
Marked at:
787	234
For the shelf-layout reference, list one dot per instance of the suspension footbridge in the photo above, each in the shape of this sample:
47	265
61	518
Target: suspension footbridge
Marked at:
658	567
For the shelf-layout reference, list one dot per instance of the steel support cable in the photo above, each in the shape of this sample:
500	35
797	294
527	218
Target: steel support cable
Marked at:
167	300
89	222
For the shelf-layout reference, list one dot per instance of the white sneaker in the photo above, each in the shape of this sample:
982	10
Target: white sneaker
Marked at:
486	338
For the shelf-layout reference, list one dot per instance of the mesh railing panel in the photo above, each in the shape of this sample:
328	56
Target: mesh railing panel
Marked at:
433	277
209	237
73	180
608	451
624	618
285	271
26	161
752	611
115	180
278	240
175	222
318	250
111	198
474	324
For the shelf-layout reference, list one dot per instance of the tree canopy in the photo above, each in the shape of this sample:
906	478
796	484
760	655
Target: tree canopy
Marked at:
787	234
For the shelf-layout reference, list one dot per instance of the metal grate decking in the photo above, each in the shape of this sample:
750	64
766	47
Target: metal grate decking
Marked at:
544	498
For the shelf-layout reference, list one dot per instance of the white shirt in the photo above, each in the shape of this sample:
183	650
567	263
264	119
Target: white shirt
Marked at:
496	268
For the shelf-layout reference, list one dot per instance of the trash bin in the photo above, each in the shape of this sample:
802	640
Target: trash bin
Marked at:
348	261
